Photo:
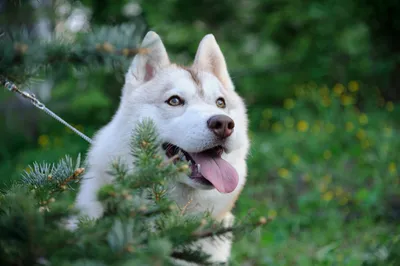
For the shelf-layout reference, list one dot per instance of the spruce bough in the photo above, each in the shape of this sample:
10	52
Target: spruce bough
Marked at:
140	226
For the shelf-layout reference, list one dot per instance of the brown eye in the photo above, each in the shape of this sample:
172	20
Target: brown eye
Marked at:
221	103
175	101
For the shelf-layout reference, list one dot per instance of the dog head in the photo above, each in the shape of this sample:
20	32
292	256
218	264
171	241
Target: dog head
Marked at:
199	116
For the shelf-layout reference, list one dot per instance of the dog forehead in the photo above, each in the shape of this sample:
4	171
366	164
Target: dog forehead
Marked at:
181	82
192	83
210	85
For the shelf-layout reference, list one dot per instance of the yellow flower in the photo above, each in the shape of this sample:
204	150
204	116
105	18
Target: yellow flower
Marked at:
267	113
272	214
392	168
361	134
389	106
327	196
294	159
327	154
353	86
349	126
289	122
363	119
302	126
277	127
346	100
289	104
338	89
283	172
43	141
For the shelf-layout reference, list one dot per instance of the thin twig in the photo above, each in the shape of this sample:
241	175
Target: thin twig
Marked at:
186	206
74	176
222	231
169	161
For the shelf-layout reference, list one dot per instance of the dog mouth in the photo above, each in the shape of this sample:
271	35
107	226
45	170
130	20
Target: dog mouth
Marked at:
207	167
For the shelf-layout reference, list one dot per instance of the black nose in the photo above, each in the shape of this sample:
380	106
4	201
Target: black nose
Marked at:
221	125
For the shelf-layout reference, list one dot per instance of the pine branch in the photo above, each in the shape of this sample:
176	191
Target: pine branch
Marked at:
23	57
47	179
74	177
223	231
145	141
144	190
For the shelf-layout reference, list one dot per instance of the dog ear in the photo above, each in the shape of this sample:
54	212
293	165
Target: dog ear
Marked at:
209	58
146	64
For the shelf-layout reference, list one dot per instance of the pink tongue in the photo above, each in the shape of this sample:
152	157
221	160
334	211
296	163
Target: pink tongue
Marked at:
218	171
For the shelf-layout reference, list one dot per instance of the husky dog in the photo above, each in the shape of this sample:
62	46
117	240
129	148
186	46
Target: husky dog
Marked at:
198	115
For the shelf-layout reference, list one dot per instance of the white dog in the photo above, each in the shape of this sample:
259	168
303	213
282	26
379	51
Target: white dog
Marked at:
198	115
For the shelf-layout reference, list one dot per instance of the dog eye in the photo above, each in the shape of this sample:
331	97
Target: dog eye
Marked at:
221	103
175	101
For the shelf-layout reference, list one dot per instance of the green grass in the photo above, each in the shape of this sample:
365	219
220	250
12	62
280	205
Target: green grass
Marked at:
327	175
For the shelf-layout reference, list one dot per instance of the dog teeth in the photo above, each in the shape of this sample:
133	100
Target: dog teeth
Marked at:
198	167
181	156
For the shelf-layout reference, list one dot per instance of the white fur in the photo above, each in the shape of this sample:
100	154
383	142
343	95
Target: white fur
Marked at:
150	81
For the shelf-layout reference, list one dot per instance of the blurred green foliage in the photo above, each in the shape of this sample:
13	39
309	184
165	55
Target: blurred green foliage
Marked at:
329	175
320	80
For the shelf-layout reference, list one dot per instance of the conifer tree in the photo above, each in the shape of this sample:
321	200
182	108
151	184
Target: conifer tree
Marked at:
141	226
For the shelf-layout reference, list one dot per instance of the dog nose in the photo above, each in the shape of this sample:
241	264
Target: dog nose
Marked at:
221	125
